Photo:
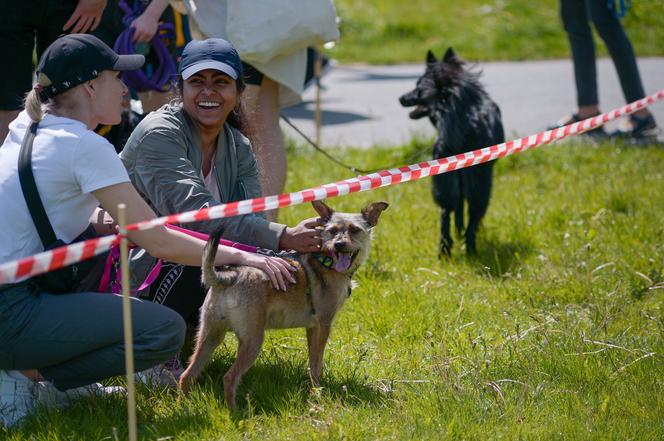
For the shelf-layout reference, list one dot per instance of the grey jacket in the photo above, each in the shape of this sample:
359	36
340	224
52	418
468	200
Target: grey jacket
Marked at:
164	162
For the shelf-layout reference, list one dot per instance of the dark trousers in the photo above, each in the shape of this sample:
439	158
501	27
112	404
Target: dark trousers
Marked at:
576	16
180	288
22	24
78	339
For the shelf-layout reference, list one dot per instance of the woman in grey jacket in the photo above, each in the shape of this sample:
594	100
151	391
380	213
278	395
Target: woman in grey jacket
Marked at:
191	154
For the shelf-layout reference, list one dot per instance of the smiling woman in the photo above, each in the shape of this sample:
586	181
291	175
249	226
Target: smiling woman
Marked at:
192	154
208	97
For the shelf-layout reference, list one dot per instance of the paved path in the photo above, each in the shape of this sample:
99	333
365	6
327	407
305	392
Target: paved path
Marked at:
361	108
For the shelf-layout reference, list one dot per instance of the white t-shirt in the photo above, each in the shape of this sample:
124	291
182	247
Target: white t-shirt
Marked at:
68	162
210	180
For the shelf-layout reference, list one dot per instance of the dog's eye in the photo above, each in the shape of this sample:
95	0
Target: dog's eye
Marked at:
333	230
352	229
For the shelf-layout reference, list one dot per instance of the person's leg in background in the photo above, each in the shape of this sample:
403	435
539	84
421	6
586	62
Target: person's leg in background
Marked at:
620	48
261	107
574	14
17	37
179	288
21	24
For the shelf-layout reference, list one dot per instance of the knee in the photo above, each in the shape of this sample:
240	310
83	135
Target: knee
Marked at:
176	330
608	28
576	26
167	334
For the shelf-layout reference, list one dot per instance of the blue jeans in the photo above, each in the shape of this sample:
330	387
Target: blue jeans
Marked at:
77	339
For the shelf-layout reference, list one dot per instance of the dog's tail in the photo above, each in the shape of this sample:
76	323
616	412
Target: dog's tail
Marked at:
211	278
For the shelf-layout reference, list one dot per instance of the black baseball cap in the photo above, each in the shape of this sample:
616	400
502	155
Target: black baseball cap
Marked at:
76	58
213	53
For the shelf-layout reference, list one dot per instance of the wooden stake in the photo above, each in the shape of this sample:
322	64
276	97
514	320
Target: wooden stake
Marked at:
318	63
126	318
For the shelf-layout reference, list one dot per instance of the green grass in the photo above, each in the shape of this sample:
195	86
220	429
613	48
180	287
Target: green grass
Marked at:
395	31
553	332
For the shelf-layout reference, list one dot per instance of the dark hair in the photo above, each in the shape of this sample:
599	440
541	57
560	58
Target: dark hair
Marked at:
236	118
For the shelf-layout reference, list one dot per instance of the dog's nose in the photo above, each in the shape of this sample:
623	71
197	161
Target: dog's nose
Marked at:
339	245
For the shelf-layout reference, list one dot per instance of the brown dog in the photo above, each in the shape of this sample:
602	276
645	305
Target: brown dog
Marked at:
242	299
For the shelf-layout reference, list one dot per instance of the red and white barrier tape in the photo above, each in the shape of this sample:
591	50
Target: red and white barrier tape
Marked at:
57	258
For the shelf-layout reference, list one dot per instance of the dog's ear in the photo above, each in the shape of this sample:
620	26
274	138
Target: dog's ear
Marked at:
449	55
372	212
323	210
431	58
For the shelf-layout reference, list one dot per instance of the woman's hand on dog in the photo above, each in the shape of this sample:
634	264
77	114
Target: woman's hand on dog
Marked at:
304	237
278	270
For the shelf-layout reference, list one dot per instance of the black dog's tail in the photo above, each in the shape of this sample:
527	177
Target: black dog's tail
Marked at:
211	278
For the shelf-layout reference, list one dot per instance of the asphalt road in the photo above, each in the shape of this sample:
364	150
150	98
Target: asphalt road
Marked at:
360	105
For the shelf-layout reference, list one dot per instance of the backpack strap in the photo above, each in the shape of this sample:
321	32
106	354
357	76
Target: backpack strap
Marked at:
29	188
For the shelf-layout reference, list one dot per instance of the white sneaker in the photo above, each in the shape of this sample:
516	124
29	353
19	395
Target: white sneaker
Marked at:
50	396
166	374
16	397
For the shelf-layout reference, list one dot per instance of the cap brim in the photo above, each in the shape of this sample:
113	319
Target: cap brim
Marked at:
129	62
217	65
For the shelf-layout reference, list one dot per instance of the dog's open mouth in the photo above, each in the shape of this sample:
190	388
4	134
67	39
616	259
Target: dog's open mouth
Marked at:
418	112
343	261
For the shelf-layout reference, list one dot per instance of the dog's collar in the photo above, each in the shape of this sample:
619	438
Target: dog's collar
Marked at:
325	259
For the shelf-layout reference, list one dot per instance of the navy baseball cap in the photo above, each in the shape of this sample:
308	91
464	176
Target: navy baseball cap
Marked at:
76	58
213	53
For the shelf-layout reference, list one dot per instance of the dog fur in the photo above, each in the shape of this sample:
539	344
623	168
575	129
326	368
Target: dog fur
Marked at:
242	299
466	119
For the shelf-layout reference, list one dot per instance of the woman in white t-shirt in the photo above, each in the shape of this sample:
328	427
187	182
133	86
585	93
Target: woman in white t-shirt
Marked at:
54	347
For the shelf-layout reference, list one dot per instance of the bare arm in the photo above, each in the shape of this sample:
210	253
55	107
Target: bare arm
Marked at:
171	245
103	222
145	25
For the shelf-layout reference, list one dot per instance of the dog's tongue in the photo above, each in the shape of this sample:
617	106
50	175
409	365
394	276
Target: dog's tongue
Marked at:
343	262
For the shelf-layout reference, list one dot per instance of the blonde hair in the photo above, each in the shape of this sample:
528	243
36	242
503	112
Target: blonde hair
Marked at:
33	102
33	106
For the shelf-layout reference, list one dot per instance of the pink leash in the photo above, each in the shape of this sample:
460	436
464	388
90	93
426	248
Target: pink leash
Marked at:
113	260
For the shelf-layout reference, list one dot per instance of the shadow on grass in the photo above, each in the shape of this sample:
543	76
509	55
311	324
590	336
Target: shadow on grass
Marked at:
498	259
278	385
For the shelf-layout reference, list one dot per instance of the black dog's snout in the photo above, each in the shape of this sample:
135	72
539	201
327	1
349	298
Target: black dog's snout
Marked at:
407	99
340	245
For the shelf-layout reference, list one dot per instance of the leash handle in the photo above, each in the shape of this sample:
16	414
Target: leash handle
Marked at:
124	44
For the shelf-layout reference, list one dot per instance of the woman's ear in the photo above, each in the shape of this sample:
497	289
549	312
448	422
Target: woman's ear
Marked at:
89	87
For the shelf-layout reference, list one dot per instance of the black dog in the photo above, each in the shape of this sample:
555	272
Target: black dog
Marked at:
466	119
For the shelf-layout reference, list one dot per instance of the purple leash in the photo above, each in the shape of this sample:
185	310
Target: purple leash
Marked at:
166	69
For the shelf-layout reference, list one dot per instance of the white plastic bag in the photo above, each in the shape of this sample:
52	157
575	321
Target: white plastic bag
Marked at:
263	29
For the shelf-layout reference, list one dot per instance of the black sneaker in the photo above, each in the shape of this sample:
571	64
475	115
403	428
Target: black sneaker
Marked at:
643	127
641	130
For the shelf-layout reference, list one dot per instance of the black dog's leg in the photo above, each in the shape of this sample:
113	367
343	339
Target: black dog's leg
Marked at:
477	183
447	194
446	241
